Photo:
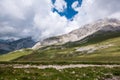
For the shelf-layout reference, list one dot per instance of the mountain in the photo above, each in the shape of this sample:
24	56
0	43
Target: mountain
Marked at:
95	42
11	45
100	26
6	41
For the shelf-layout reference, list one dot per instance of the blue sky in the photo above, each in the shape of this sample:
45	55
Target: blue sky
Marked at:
45	18
68	12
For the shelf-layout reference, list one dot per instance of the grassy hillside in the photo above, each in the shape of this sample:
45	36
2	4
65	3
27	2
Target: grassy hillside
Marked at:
100	47
67	53
13	55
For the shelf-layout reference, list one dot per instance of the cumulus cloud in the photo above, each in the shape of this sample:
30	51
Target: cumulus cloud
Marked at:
74	5
11	8
60	5
92	10
22	18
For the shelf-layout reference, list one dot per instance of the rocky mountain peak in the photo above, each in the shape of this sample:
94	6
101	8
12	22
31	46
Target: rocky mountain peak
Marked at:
82	32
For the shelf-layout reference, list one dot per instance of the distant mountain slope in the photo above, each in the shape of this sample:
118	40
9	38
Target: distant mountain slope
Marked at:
8	46
106	25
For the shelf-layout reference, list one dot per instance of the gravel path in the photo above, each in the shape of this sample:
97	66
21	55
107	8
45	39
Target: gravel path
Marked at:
58	67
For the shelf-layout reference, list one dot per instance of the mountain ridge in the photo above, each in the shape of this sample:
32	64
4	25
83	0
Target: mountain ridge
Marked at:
82	32
102	45
8	46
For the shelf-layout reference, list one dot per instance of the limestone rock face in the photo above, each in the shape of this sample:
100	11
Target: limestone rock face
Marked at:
82	32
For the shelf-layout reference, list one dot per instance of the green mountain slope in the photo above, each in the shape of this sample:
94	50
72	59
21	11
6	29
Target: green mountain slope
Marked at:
16	54
103	46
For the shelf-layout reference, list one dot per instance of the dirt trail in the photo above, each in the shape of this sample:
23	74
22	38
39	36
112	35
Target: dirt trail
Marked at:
58	67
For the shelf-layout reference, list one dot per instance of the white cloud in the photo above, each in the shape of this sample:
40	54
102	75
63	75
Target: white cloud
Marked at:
60	5
115	15
21	18
8	29
11	9
27	3
74	5
50	25
92	10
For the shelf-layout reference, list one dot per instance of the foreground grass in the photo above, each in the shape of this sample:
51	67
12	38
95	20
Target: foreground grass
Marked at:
88	73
